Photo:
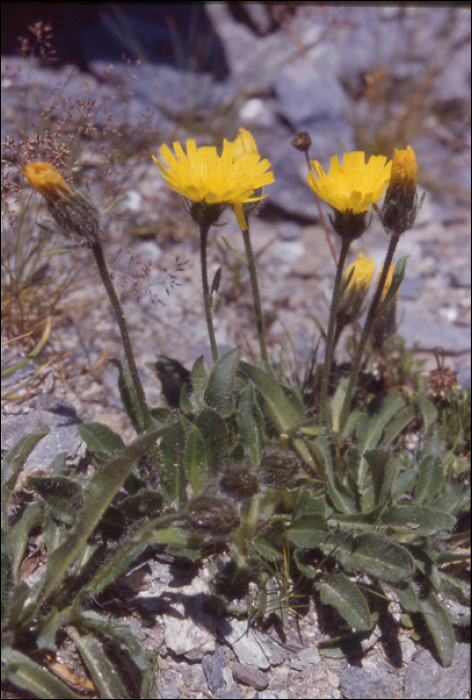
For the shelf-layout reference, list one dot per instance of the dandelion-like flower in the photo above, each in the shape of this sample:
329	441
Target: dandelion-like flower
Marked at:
353	186
205	177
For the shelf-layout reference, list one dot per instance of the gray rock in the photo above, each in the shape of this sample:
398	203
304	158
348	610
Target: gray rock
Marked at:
244	642
39	412
426	678
248	675
213	666
370	681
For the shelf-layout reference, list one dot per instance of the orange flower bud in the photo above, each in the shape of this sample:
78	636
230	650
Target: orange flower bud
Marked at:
46	180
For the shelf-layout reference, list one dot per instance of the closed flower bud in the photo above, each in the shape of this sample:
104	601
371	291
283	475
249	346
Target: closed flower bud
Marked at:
278	467
216	517
239	482
74	212
400	205
355	285
45	179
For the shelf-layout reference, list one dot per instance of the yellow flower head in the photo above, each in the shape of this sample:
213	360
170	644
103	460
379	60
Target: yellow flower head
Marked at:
46	180
244	143
204	176
353	186
363	271
404	168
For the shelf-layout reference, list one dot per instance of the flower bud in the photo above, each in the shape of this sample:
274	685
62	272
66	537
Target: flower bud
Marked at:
278	467
216	517
74	212
239	482
45	179
355	285
400	205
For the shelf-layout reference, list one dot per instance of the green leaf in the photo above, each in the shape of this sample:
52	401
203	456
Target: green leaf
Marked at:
430	479
15	458
28	519
439	624
416	520
101	490
403	418
101	440
308	530
379	412
62	495
345	596
219	390
404	482
425	564
375	555
195	464
27	675
266	548
342	498
199	378
397	279
286	412
428	410
214	431
102	671
454	496
171	448
384	469
337	403
250	423
307	503
128	395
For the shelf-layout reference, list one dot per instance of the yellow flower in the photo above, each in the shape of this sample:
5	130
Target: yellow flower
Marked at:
46	180
363	271
203	176
404	168
354	292
244	143
353	186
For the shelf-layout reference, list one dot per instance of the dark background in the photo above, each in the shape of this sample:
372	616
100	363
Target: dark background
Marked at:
177	34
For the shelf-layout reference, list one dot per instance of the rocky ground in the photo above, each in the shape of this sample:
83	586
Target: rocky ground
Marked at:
319	72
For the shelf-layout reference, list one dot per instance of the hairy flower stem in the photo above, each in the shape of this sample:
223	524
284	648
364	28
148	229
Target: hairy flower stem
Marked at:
204	229
346	242
109	285
255	294
395	237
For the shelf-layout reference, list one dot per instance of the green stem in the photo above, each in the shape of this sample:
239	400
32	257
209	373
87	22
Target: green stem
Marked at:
346	242
255	294
109	285
395	237
204	228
